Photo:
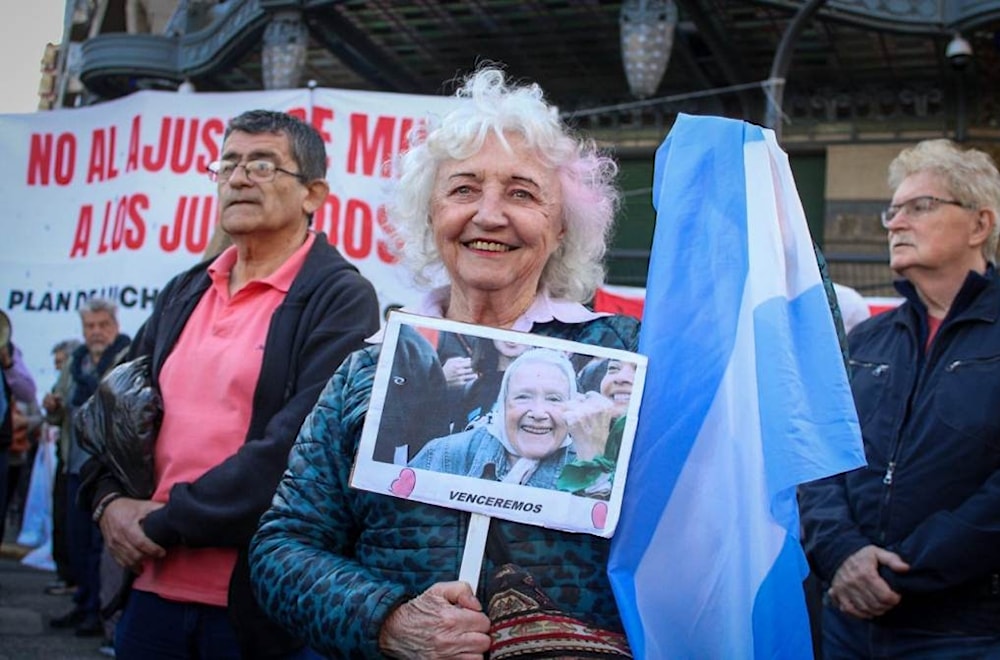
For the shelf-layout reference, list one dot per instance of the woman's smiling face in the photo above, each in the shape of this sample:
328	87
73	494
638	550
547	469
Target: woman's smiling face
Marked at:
497	217
617	384
533	408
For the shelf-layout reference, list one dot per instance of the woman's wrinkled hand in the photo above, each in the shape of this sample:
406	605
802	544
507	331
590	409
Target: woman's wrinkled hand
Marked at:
588	418
121	525
446	621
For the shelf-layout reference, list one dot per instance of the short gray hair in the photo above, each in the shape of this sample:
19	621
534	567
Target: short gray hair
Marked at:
99	305
305	142
970	174
491	105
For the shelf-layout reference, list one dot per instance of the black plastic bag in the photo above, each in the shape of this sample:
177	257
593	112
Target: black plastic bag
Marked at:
119	424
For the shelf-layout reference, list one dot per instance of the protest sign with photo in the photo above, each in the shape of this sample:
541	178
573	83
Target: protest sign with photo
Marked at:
540	434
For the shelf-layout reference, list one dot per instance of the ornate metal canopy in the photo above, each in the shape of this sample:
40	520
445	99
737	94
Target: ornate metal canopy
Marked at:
857	69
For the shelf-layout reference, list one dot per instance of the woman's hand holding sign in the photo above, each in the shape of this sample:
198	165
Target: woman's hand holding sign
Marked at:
445	621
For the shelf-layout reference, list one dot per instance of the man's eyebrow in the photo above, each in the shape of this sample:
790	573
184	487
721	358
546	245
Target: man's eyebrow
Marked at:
253	155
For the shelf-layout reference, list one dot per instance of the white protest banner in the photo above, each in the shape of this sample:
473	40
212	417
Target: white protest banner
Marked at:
112	200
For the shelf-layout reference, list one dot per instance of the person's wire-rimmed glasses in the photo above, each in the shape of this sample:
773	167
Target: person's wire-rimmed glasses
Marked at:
916	207
258	171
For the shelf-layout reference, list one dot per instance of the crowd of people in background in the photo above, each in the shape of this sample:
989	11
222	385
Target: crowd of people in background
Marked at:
252	544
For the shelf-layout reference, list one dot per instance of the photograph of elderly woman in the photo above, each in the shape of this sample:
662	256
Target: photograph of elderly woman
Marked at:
519	414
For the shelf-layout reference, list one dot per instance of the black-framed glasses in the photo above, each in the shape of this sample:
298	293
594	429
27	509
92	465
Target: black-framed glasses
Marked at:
258	171
916	207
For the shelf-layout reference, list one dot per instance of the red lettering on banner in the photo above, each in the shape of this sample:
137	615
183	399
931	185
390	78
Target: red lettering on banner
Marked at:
181	157
211	134
84	224
358	229
405	128
132	159
319	119
191	228
188	142
386	253
328	213
373	148
135	235
320	115
123	224
51	157
351	227
102	155
154	161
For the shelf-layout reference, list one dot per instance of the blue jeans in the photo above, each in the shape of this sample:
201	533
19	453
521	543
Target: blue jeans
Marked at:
847	638
153	628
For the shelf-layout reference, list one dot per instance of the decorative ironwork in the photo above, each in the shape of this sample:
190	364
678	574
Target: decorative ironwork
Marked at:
283	59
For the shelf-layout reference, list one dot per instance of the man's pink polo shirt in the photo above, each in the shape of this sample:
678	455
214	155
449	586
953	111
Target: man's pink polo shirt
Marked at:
208	383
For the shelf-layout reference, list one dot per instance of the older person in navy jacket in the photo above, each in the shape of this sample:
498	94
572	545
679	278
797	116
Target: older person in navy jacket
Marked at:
909	546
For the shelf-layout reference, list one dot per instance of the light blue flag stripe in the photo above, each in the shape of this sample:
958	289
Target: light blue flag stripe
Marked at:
706	560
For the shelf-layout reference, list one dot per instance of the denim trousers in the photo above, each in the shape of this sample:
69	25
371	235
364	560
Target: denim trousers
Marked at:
848	638
155	628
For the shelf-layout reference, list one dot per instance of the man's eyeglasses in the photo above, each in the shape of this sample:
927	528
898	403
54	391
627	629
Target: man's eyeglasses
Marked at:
258	171
916	207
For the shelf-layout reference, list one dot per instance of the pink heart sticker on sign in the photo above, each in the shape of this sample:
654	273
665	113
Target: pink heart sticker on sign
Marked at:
403	485
599	515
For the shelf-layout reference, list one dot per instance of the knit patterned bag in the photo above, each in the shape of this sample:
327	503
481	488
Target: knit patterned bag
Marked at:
525	623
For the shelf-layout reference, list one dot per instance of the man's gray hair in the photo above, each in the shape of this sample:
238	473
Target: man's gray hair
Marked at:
99	305
970	174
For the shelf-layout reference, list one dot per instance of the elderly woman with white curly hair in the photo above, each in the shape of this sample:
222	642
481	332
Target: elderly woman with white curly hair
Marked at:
508	213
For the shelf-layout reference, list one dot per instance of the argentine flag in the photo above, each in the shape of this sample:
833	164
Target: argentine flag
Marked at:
746	397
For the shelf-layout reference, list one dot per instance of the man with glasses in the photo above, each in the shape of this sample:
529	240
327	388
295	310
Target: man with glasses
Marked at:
909	546
241	347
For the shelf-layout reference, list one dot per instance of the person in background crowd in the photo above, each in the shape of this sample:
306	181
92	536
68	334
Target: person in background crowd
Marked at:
513	212
415	401
616	385
472	402
461	358
6	432
65	583
26	424
853	308
241	346
104	346
18	385
907	546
